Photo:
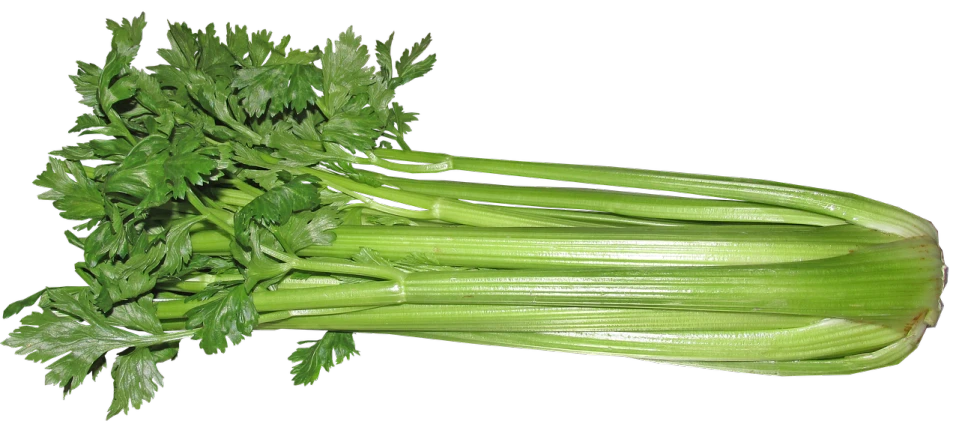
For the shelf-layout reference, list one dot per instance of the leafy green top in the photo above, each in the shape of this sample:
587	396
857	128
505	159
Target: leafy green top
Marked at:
238	113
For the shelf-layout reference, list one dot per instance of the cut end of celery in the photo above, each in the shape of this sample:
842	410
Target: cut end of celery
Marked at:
932	317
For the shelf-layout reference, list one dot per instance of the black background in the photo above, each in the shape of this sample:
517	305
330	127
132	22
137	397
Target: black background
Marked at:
837	101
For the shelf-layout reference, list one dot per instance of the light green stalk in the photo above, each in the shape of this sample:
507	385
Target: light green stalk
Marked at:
617	202
890	281
237	198
588	247
823	339
845	206
437	208
889	355
619	247
199	282
490	318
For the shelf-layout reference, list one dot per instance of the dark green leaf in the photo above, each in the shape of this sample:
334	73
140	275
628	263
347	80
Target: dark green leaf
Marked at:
212	264
380	97
138	315
123	89
233	316
275	207
149	94
166	351
127	35
81	151
384	58
179	247
251	156
183	47
189	164
87	82
125	44
122	280
260	47
108	239
45	336
18	306
89	123
214	58
151	189
212	290
306	229
332	349
98	366
287	83
261	270
306	127
356	130
238	42
266	179
75	195
295	57
400	124
407	69
110	148
73	239
295	151
344	71
211	97
141	172
136	379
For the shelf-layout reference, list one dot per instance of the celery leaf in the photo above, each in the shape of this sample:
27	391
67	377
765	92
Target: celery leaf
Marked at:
275	207
332	349
306	229
179	245
81	338
233	316
407	68
75	195
344	71
286	84
136	379
189	164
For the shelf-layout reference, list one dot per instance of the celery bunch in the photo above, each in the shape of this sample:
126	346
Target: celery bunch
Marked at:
231	192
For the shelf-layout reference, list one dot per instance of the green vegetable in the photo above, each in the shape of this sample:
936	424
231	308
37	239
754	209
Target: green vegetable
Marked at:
622	203
226	193
847	207
320	355
593	247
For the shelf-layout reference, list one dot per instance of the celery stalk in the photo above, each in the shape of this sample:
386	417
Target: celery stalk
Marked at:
617	202
823	339
494	318
889	355
886	281
587	247
845	206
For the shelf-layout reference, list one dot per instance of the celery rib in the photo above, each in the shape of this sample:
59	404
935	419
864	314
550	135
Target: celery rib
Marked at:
441	208
823	339
584	247
616	202
460	318
889	355
893	280
845	206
